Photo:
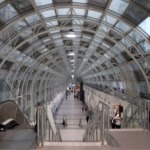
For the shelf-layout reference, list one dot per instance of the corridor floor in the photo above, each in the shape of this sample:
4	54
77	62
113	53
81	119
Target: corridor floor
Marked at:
71	108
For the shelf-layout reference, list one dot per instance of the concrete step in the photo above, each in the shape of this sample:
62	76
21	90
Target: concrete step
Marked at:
130	138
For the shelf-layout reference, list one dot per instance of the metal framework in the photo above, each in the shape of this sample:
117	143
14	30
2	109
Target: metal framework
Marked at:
111	49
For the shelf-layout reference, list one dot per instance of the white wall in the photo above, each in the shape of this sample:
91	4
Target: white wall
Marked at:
93	97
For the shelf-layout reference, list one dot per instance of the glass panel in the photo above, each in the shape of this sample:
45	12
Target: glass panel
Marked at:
126	42
144	3
52	23
110	19
7	12
122	26
42	2
94	14
56	36
136	36
77	21
32	18
80	1
64	11
104	29
145	25
49	13
118	6
145	46
26	33
134	14
2	1
105	44
79	12
54	31
19	25
143	87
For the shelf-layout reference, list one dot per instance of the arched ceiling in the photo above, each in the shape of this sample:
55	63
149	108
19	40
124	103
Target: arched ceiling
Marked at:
111	48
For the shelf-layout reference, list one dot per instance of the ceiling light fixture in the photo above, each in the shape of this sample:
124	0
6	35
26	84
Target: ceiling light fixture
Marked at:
72	76
70	34
71	54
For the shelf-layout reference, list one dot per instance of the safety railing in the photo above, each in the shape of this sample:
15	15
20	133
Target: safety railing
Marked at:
45	128
137	114
98	127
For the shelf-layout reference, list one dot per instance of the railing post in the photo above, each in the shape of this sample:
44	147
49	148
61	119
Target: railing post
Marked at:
148	115
38	126
102	126
42	128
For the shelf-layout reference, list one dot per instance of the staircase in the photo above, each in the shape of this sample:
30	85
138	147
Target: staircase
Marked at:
71	108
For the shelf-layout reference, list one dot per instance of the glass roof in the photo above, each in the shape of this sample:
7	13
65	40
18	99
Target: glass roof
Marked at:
145	25
110	34
43	2
118	6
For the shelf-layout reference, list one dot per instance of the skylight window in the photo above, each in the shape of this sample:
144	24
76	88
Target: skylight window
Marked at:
118	6
2	1
94	14
79	12
42	2
19	25
110	20
80	1
7	12
64	11
122	26
32	18
48	13
79	22
52	23
145	25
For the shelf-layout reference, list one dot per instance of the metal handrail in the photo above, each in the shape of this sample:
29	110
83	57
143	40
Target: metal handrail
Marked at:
44	128
96	130
139	110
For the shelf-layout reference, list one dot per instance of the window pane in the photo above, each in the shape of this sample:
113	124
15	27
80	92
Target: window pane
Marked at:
2	1
32	18
110	20
78	22
145	46
7	12
49	13
64	11
122	26
52	23
19	25
94	14
80	1
145	25
136	36
79	11
42	2
118	6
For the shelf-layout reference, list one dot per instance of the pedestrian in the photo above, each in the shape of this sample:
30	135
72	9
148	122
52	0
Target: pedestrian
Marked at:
87	118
